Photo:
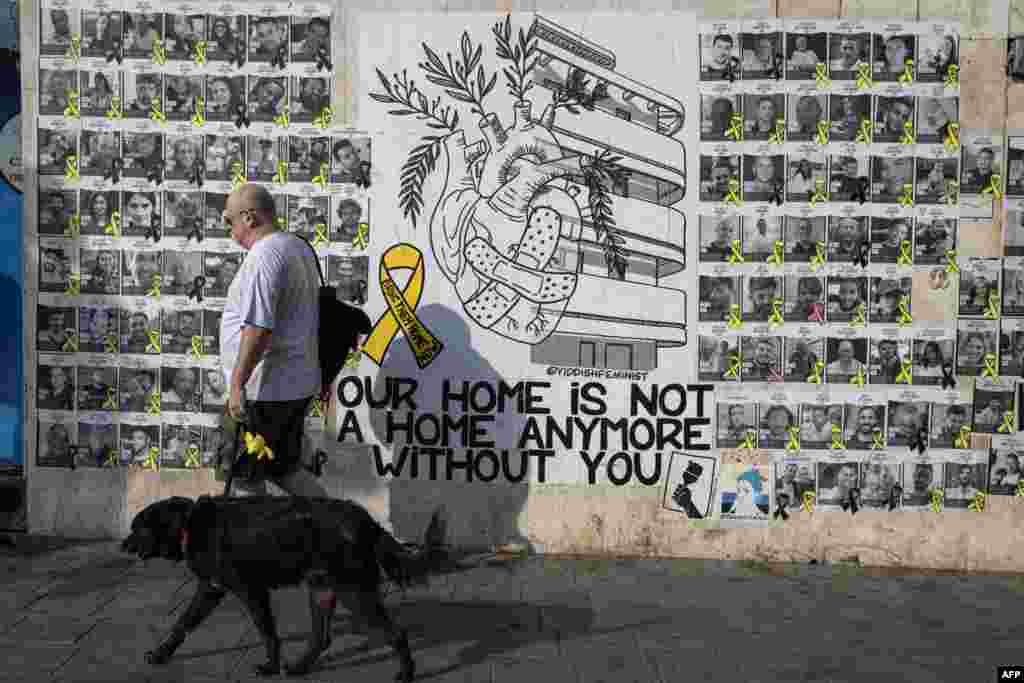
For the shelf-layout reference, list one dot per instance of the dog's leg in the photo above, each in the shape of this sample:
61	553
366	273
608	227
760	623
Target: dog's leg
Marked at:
322	602
379	621
205	600
257	601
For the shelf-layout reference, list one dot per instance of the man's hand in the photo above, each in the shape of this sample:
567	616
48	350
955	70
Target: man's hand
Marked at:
236	402
682	495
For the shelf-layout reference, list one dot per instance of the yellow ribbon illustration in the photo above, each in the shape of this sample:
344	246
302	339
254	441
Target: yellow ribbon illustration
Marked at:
778	135
906	373
110	343
74	285
74	225
325	117
1020	490
70	345
199	52
197	347
777	256
256	445
907	138
401	313
952	76
775	319
110	402
819	191
237	174
992	307
952	140
318	410
71	168
115	112
153	402
936	499
962	439
280	222
154	289
793	444
734	319
858	379
990	366
904	308
321	178
735	129
815	376
808	501
748	441
113	228
283	119
71	110
154	341
864	80
74	51
907	77
111	460
281	175
821	77
951	265
837	438
865	131
191	457
907	199
156	112
905	258
952	193
822	136
818	259
198	109
352	359
362	239
735	362
877	442
159	53
994	187
859	319
734	255
977	503
152	460
732	194
320	234
1007	424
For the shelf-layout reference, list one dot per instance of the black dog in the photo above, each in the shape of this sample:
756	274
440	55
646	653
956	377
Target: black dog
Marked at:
249	546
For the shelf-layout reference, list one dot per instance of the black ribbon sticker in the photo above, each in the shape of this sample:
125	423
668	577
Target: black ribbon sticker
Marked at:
776	70
280	59
851	501
156	174
730	70
860	258
197	173
241	116
323	59
918	441
363	179
777	187
895	494
239	58
115	53
860	191
196	292
196	231
948	381
781	503
113	172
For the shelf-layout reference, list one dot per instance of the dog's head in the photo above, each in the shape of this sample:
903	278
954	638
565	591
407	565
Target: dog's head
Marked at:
157	530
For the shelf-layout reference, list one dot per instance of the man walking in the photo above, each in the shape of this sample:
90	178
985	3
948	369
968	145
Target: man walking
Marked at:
268	344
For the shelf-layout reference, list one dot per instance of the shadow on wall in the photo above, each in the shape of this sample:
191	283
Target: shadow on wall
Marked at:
480	514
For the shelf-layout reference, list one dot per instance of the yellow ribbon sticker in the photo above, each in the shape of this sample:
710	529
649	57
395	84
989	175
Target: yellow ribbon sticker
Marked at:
815	376
793	443
318	410
821	77
906	257
994	187
990	366
977	503
778	134
197	347
152	460
74	285
906	373
904	307
110	402
858	379
71	168
936	499
907	199
877	442
74	51
734	319
192	457
237	175
154	341
808	501
907	137
280	222
115	112
321	178
748	441
777	257
156	112
907	77
362	239
952	141
199	52
732	194
822	135
1007	424
735	362
951	264
820	195
198	111
325	118
111	460
865	132
962	439
952	76
859	316
71	110
283	119
837	438
256	445
775	319
952	192
1020	490
153	402
154	289
735	129
159	53
74	226
110	343
735	256
401	313
818	259
864	80
992	307
70	345
281	174
320	234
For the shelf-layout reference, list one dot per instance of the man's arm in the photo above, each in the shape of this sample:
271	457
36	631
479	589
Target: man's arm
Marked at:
255	342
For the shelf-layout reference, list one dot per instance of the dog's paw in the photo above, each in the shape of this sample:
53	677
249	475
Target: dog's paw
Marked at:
157	657
267	669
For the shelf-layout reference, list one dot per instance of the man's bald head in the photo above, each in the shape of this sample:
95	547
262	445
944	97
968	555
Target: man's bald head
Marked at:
254	197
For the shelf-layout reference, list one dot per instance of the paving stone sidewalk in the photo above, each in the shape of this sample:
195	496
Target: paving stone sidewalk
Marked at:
86	612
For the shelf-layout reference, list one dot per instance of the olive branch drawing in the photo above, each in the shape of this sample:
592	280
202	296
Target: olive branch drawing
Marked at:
602	171
457	77
522	55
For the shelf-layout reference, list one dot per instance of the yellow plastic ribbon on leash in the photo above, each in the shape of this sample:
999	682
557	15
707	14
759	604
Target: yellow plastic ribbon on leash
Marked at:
317	410
256	445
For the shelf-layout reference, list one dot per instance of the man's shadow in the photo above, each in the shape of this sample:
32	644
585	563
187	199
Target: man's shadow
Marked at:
479	514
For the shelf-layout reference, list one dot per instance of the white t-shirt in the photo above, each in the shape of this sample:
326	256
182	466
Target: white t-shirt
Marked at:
276	288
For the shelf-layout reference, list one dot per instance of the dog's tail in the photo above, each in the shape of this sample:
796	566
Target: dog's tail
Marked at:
407	566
